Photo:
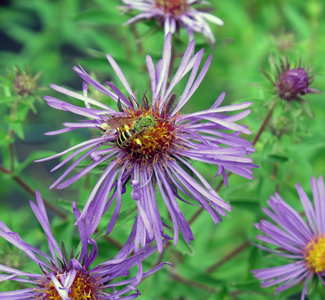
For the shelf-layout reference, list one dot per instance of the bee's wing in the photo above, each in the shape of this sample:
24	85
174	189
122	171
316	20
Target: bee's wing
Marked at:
116	122
132	137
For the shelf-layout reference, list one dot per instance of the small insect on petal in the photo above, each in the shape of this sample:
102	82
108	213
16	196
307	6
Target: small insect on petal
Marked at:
104	127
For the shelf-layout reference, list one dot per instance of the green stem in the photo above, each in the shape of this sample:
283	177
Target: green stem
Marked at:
28	189
227	257
11	135
265	122
11	152
193	283
138	41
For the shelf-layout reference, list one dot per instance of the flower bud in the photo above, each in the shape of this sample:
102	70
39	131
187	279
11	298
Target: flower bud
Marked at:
291	83
280	126
24	81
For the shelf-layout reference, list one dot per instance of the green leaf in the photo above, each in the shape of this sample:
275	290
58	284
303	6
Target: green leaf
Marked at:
253	261
8	99
184	247
196	274
278	158
252	206
307	109
223	294
16	126
66	204
22	111
33	156
151	31
64	252
5	139
96	15
5	81
297	20
30	103
253	284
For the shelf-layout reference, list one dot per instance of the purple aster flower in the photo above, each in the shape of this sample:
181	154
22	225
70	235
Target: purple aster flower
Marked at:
63	277
175	14
153	144
292	83
300	241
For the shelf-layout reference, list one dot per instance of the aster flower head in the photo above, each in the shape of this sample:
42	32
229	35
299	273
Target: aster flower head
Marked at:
152	143
292	83
300	241
175	14
64	276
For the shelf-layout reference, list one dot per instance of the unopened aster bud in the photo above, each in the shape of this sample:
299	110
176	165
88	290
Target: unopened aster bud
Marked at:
24	81
280	126
285	42
292	83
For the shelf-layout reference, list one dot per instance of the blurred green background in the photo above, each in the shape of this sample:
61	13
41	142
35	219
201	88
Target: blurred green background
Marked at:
53	36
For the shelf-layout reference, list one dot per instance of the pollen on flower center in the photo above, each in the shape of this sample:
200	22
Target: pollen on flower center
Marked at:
175	7
315	254
82	288
155	141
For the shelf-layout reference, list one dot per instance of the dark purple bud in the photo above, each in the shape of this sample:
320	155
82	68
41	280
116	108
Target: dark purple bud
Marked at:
292	83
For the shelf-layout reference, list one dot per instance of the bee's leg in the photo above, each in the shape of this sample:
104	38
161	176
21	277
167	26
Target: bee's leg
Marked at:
138	142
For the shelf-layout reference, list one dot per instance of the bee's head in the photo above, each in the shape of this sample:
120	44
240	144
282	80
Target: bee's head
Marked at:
150	120
145	122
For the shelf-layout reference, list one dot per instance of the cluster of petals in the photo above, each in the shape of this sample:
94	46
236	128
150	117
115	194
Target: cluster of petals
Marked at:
293	235
193	20
62	278
209	136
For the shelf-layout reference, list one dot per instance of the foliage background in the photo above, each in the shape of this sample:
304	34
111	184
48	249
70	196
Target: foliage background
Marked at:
53	36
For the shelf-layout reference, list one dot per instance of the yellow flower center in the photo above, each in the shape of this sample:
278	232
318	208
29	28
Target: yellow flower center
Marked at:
82	288
155	142
315	254
175	7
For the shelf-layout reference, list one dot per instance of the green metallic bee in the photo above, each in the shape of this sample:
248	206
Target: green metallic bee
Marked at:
128	133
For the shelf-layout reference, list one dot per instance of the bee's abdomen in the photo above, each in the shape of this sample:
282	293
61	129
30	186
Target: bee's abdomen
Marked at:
124	135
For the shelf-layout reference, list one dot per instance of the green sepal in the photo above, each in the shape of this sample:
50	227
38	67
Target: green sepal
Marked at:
64	252
119	105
